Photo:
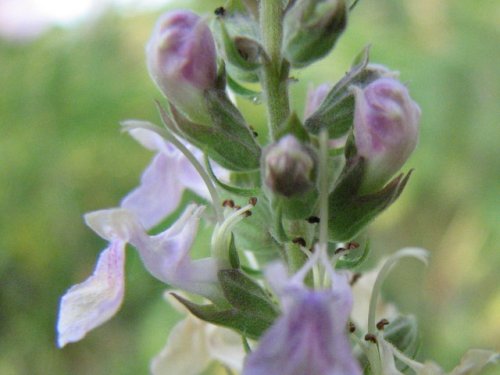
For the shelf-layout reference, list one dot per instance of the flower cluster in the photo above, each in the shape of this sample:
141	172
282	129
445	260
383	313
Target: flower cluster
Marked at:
280	284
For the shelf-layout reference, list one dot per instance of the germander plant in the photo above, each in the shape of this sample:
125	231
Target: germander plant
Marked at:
279	293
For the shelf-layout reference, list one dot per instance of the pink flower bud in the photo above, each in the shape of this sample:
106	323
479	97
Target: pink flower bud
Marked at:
386	123
181	60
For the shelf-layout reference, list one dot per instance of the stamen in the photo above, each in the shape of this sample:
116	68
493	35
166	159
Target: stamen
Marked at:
381	324
371	338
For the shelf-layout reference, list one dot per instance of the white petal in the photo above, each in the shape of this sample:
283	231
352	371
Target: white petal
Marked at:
113	224
226	346
91	303
186	351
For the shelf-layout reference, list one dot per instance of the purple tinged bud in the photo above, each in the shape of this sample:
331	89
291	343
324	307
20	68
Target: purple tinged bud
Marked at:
288	167
386	125
181	59
315	97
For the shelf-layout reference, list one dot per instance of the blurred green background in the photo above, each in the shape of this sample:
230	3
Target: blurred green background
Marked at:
62	154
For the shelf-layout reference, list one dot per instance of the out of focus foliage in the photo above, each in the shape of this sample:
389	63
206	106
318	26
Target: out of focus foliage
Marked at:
62	154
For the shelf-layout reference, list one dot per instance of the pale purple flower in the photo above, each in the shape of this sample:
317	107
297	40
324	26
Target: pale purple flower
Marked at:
164	180
181	58
166	256
386	125
311	335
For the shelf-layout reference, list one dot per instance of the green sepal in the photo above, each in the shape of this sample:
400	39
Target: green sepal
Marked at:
350	212
293	126
247	58
227	140
336	112
310	33
245	294
299	206
402	332
243	91
234	259
249	325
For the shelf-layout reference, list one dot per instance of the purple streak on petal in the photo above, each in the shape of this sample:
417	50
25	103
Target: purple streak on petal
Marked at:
87	305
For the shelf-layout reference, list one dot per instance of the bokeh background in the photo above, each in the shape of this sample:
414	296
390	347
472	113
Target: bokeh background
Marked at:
64	91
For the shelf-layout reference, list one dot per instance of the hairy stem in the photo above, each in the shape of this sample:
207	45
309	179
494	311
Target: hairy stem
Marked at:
274	73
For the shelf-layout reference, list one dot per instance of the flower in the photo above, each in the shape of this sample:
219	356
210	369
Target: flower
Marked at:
181	58
310	337
386	124
193	344
164	180
166	256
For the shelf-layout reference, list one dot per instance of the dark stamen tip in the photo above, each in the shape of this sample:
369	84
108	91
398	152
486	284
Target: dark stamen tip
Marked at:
382	324
371	337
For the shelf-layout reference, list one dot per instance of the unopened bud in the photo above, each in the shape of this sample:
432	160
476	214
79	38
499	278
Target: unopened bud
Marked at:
311	29
288	167
315	97
386	124
181	59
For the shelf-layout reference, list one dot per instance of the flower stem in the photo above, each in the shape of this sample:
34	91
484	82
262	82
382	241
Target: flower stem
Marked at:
274	73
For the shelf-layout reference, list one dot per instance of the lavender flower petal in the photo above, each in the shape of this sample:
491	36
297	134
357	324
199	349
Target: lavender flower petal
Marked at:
87	305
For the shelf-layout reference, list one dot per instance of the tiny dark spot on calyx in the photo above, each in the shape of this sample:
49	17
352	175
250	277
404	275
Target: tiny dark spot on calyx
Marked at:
252	201
313	219
299	241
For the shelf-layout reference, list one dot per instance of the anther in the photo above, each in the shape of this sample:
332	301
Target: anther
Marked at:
299	241
253	201
352	327
355	277
220	11
313	219
236	207
371	337
228	203
382	324
352	245
248	213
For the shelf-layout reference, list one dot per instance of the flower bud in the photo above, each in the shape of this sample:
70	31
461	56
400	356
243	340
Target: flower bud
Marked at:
386	122
315	97
311	29
288	167
181	59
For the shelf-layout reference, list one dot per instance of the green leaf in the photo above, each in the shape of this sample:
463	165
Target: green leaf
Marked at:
249	325
350	212
245	294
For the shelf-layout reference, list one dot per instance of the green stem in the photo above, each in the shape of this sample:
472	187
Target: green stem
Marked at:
274	73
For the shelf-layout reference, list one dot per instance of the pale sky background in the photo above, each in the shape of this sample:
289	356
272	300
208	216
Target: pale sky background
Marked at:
27	19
